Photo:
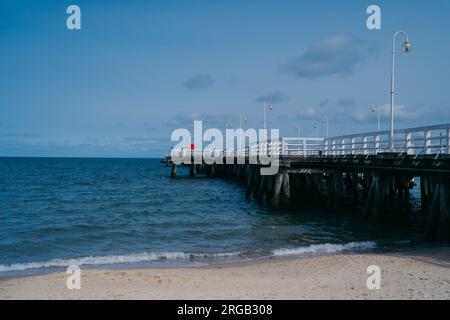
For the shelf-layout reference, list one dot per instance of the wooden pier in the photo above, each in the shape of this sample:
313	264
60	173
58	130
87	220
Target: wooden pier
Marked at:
356	168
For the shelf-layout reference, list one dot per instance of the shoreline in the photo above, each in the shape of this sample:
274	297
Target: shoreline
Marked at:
423	274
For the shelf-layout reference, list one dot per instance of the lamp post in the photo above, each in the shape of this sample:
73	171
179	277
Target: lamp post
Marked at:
325	120
267	105
242	119
375	109
299	128
316	126
228	125
406	47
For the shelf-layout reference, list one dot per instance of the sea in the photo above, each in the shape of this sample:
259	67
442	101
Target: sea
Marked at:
128	213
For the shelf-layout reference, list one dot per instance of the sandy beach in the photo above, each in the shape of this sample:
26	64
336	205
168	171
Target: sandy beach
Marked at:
421	275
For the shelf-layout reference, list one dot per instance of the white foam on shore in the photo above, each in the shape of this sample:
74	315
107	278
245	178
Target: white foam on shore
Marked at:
325	248
111	259
149	257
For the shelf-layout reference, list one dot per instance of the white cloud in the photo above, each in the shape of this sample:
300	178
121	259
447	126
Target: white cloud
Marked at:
339	54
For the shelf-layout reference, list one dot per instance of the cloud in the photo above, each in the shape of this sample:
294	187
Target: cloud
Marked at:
311	113
19	135
210	120
337	55
125	147
275	97
199	81
324	103
401	113
346	102
338	109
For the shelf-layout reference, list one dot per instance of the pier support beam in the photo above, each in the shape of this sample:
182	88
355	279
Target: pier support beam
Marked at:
268	194
193	170
249	181
438	214
278	183
286	188
336	193
173	173
376	198
261	188
426	196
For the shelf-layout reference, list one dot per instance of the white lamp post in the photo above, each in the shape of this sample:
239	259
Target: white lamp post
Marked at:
325	120
316	126
242	119
375	109
299	128
267	105
406	47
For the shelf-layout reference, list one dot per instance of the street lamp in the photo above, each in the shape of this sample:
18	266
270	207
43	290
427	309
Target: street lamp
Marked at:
375	109
299	128
267	105
406	48
242	119
316	126
228	125
325	120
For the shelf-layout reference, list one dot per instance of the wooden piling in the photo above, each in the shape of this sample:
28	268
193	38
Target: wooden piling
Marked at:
193	170
173	173
261	188
335	193
444	221
256	180
286	188
438	215
249	182
278	183
268	194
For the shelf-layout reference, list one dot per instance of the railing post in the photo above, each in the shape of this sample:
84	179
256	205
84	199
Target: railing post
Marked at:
448	140
365	145
353	145
305	149
409	144
377	143
428	142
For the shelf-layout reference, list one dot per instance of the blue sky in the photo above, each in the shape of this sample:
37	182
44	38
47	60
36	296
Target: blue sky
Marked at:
139	69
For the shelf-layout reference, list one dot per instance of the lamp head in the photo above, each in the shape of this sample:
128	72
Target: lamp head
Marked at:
406	47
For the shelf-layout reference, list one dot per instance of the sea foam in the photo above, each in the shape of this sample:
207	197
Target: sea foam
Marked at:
113	259
149	257
325	248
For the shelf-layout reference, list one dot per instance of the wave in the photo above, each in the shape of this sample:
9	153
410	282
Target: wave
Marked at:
149	257
112	259
325	248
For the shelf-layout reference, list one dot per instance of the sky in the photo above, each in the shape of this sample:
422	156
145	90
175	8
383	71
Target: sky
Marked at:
137	70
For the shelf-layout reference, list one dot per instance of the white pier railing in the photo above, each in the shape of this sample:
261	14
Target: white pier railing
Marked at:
431	140
413	141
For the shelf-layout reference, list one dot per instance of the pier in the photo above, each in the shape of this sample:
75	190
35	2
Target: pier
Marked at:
362	169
